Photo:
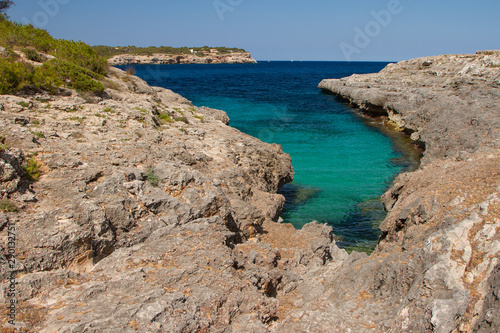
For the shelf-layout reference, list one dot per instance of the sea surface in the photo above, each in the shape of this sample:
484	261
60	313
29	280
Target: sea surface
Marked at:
343	162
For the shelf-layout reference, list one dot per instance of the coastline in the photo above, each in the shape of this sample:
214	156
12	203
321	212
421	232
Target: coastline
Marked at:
163	59
153	215
435	231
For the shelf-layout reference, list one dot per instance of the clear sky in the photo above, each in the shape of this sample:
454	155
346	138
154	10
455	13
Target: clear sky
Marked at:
357	30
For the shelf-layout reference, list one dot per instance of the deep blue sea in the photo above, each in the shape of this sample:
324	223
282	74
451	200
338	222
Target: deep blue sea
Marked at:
342	163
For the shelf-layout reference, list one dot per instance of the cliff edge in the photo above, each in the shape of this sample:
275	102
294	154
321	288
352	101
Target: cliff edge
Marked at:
448	102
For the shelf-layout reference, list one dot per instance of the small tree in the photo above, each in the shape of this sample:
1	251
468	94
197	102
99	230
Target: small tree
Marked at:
5	4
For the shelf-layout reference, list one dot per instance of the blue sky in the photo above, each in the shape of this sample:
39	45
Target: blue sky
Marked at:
357	30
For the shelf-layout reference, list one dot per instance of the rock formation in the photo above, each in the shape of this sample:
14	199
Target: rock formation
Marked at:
436	265
136	211
162	59
136	218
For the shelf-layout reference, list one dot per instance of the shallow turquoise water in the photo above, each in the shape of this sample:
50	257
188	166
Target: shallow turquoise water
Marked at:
342	166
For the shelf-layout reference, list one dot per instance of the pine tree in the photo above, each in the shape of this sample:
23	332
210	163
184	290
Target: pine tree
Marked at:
5	4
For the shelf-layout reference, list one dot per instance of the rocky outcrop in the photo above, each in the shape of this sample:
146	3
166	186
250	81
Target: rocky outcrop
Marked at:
162	59
448	102
137	216
436	265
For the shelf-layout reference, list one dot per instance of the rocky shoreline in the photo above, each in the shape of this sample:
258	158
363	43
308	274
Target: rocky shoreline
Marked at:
153	215
164	59
439	254
140	208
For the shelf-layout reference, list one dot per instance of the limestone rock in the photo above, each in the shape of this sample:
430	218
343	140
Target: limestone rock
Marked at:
435	266
417	94
162	59
127	203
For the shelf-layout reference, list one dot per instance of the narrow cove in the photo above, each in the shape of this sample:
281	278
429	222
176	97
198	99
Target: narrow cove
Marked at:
343	161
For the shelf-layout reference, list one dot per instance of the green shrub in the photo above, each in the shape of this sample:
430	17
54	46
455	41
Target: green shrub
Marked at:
39	135
7	206
46	78
153	179
18	35
24	104
79	119
82	55
201	118
165	118
32	170
33	55
74	76
10	54
13	76
77	65
3	145
183	119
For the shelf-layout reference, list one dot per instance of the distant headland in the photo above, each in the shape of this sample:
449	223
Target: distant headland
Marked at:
131	55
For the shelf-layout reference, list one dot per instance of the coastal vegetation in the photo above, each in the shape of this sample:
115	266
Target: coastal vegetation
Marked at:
7	205
165	118
153	179
32	60
110	51
32	169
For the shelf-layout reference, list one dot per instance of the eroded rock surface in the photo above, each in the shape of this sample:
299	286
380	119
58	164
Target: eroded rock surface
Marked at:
448	102
135	221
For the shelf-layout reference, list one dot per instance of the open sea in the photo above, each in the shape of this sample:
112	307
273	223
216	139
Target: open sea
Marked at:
343	162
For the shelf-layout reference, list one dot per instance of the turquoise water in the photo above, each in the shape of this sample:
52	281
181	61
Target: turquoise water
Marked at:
341	164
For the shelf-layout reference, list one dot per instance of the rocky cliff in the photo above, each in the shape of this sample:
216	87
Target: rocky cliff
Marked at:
162	59
136	211
436	266
135	220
